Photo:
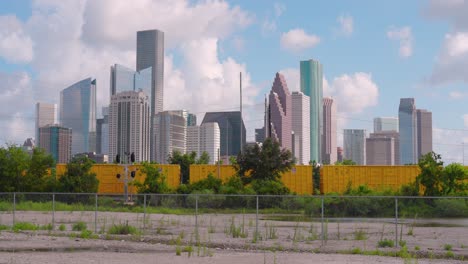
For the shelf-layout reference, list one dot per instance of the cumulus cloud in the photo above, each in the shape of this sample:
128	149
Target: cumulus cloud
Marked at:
297	40
405	38
448	143
346	24
457	95
293	78
15	44
453	11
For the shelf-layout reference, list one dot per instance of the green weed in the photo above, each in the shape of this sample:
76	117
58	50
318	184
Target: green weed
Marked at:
385	243
79	226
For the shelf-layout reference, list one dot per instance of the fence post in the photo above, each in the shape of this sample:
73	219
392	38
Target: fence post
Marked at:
53	211
256	222
144	211
14	207
95	213
396	221
322	216
196	214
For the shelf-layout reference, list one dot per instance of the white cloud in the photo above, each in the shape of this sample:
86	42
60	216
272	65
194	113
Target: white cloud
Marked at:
452	10
448	143
15	45
405	38
279	9
346	24
297	40
457	95
293	79
465	120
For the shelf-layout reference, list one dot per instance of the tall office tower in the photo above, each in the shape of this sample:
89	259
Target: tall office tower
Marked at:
408	131
424	128
204	138
396	144
380	151
124	79
339	154
230	124
190	119
46	114
329	154
150	53
78	112
301	126
29	145
57	141
312	86
129	125
280	112
259	135
355	145
102	132
385	124
170	135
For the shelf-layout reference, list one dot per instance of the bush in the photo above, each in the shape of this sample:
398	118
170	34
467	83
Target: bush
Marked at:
263	187
205	199
385	243
20	226
79	226
451	208
122	229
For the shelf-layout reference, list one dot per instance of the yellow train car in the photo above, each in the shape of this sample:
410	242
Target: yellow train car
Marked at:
109	183
335	179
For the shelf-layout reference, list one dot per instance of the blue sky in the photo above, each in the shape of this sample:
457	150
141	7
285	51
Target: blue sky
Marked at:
386	50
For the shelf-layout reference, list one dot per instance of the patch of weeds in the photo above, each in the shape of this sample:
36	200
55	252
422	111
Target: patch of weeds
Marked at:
297	233
122	229
449	254
270	231
48	227
182	234
87	234
178	250
189	250
448	247
62	227
462	246
79	226
356	251
360	234
313	235
21	226
417	248
402	243
385	243
4	227
237	231
211	228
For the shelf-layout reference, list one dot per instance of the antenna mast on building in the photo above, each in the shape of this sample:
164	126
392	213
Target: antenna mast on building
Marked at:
240	87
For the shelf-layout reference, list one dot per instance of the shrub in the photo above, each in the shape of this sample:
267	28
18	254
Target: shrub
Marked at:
62	227
24	226
79	226
448	247
451	208
385	243
122	229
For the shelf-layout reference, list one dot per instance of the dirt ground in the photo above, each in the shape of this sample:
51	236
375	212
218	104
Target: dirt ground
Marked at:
22	248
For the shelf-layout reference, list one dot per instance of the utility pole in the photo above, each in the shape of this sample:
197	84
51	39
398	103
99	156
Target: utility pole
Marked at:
240	88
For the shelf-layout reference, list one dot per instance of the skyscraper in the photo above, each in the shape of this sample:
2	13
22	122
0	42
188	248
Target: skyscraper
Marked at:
46	114
230	127
129	125
355	145
170	135
396	147
125	79
329	154
408	131
312	86
57	141
150	53
301	126
102	132
204	138
78	112
385	124
424	128
280	112
381	149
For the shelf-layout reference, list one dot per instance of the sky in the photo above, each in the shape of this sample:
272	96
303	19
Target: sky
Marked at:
373	53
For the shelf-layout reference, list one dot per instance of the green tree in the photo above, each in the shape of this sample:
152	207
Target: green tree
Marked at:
37	175
264	163
204	158
155	181
346	162
431	166
78	177
184	161
14	162
453	179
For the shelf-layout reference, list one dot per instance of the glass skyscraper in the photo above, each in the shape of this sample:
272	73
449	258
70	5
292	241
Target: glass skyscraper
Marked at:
312	86
124	79
78	112
408	131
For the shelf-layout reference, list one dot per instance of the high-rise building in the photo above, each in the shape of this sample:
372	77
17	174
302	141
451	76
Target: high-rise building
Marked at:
329	154
230	124
280	112
102	132
46	114
204	138
259	135
408	131
150	53
78	112
29	145
385	124
301	126
312	86
190	119
170	135
382	148
57	141
129	126
424	130
339	154
124	79
354	142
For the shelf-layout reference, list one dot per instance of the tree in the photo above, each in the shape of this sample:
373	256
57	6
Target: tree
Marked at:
204	158
37	175
264	163
155	181
14	162
78	177
431	166
346	162
453	179
184	161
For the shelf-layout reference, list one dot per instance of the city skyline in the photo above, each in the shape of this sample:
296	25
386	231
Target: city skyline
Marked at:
36	68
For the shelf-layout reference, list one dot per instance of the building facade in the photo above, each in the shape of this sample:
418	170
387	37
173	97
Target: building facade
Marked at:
329	154
354	141
78	112
46	114
124	79
424	131
204	138
385	124
408	131
230	126
57	141
301	126
396	144
129	126
102	132
311	75
380	151
281	112
170	135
